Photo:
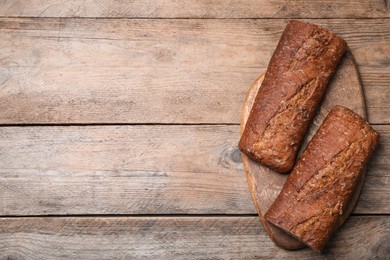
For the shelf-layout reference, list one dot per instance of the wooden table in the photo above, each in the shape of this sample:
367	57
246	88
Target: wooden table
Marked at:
120	122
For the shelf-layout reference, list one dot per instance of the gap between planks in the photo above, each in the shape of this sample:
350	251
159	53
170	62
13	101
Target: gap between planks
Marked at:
147	215
195	9
191	18
162	215
133	124
117	124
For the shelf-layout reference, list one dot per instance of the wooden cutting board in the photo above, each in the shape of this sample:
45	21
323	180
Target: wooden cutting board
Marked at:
344	89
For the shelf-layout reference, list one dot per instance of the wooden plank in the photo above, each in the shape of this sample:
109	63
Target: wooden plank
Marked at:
142	170
158	71
178	237
196	9
121	170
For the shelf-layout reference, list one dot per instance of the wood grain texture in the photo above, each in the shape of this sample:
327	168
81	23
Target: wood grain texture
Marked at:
65	71
196	9
122	170
142	170
57	70
178	238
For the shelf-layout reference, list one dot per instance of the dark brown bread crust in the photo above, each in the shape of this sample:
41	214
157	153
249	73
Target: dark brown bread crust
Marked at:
317	193
294	84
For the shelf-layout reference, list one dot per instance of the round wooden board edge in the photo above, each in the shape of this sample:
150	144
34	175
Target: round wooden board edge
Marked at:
278	236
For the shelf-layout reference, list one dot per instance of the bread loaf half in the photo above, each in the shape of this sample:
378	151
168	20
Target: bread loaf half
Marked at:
314	200
294	84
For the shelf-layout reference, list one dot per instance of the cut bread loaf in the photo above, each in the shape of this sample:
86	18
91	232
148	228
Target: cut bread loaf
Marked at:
314	200
294	84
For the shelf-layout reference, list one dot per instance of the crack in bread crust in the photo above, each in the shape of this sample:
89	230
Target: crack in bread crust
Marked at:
331	171
311	48
336	176
293	114
330	177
